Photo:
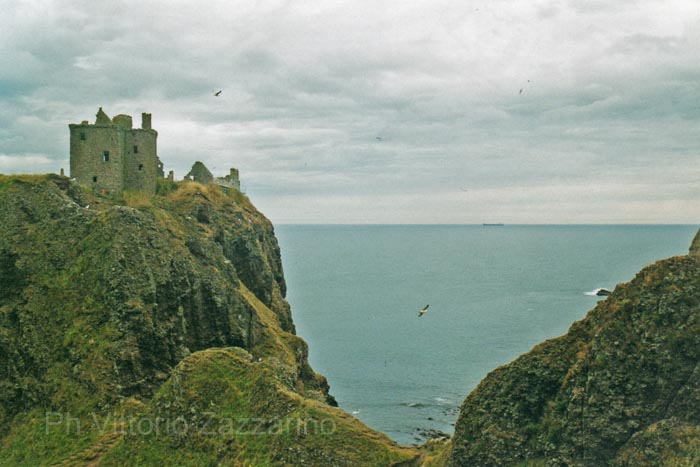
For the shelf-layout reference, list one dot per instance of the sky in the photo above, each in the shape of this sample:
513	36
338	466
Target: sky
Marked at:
423	111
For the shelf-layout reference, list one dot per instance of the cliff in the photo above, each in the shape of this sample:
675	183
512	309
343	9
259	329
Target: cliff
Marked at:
153	330
621	388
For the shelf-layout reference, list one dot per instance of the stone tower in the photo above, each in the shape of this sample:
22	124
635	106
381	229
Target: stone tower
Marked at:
111	155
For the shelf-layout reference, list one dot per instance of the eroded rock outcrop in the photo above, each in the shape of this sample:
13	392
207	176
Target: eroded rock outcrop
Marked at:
619	389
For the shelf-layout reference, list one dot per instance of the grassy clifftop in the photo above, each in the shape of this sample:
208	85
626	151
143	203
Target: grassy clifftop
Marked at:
123	309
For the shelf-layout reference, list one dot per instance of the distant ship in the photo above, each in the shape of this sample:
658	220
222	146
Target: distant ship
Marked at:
493	225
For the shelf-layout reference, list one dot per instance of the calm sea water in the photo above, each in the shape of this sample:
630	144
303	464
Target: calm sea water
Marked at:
494	292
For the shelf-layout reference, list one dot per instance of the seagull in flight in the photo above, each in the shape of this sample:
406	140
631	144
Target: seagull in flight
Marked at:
216	94
423	311
521	89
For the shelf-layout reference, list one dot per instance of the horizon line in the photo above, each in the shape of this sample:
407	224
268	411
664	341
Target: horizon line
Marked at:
486	224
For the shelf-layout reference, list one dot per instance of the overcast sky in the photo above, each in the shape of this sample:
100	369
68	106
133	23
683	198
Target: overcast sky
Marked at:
380	112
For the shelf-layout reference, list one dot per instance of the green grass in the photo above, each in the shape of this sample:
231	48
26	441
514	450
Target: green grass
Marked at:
32	443
238	413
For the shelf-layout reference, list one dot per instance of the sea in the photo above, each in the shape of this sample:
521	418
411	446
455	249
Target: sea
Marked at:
494	292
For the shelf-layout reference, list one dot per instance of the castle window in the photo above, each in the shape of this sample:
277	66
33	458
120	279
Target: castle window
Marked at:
82	136
140	166
94	179
136	149
105	156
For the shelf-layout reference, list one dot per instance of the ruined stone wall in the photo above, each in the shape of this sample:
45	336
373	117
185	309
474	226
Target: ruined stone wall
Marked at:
97	156
141	162
234	179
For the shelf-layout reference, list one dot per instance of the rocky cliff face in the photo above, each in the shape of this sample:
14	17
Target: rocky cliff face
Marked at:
621	388
117	305
101	288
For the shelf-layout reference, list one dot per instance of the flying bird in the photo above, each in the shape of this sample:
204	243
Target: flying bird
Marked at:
217	93
423	311
521	89
378	138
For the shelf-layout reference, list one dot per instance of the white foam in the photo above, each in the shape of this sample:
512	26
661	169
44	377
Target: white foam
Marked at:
592	293
413	405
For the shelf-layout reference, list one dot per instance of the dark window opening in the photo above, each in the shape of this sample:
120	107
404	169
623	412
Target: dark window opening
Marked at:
94	179
140	166
105	156
82	136
136	149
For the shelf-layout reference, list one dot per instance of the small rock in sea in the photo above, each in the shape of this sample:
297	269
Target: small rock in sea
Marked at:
431	433
603	292
451	411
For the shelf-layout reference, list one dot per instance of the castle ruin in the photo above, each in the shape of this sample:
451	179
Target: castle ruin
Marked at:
201	174
111	156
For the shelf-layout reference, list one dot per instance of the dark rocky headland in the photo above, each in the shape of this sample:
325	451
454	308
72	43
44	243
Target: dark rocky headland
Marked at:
152	330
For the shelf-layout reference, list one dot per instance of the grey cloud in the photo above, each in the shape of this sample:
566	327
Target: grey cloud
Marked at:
383	113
